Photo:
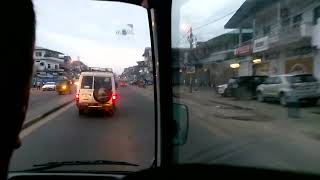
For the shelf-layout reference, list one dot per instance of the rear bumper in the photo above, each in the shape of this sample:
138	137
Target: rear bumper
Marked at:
63	90
48	89
303	97
98	106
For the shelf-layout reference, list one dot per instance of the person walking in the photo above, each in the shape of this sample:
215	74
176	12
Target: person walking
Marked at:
38	85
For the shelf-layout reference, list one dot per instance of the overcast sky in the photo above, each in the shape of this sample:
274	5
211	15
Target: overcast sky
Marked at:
87	29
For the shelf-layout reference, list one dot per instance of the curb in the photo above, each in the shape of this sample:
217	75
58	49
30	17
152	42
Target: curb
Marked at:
37	119
231	105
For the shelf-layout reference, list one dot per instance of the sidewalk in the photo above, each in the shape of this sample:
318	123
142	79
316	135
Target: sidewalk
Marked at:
250	110
44	103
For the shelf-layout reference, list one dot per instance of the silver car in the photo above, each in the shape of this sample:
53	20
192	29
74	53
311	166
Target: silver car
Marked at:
290	88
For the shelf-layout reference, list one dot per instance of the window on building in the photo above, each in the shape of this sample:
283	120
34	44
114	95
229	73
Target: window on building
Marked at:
38	54
266	30
316	15
285	18
56	66
297	20
49	66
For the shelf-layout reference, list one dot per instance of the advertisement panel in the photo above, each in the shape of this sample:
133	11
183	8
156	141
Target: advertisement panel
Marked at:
261	44
299	66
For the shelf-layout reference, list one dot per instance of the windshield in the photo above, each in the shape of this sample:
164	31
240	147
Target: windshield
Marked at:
87	122
271	125
301	79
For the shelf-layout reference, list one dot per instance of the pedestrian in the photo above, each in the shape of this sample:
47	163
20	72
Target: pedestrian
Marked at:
38	85
145	83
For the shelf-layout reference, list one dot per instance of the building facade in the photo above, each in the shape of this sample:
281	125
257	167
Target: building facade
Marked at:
47	60
284	33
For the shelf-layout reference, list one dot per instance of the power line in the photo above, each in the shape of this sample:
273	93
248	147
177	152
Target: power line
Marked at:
204	25
215	20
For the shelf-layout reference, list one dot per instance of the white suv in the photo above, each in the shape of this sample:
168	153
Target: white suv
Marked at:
96	90
290	88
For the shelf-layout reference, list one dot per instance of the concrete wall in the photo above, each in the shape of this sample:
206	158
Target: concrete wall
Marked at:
317	64
245	68
265	17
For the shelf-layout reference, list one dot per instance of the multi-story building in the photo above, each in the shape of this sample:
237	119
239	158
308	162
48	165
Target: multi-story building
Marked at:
283	32
211	60
47	60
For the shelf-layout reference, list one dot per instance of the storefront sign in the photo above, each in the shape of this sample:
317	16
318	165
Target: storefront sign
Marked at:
261	44
243	50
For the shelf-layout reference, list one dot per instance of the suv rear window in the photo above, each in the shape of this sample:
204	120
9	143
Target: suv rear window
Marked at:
301	78
102	82
86	82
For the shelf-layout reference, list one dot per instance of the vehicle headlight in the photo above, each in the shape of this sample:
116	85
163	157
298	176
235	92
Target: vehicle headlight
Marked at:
64	87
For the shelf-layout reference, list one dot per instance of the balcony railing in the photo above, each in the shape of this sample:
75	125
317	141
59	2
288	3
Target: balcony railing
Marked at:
289	33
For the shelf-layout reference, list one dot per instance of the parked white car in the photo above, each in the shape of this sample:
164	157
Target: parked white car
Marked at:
49	86
290	88
221	89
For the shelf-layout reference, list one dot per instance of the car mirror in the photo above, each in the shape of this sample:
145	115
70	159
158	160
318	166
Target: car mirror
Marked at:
181	119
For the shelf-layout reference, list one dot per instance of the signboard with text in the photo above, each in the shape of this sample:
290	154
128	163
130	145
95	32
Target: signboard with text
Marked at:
243	50
261	44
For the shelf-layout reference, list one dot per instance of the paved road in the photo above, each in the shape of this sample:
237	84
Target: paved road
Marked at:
127	136
219	133
223	131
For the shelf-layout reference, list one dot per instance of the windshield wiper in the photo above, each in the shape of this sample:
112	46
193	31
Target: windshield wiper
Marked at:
51	165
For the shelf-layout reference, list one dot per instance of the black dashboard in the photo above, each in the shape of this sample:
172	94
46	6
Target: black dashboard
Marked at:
172	172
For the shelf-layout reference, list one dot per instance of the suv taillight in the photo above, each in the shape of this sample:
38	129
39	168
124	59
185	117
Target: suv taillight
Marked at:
114	97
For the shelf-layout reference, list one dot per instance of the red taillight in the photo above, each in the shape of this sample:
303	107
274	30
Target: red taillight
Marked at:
77	97
114	96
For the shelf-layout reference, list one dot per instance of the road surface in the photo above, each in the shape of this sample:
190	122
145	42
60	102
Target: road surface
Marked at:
223	131
250	133
127	136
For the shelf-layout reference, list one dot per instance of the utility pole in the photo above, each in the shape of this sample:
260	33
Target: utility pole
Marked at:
190	39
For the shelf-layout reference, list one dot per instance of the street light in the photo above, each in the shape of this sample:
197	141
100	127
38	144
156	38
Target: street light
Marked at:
256	61
235	65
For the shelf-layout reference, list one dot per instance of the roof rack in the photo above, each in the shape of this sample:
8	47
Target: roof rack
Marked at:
99	69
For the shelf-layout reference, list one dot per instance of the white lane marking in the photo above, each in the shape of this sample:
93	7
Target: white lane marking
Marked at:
45	120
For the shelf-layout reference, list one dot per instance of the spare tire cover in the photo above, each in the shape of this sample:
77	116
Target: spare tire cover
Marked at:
102	95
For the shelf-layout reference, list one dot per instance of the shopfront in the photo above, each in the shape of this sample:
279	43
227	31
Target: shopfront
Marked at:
299	66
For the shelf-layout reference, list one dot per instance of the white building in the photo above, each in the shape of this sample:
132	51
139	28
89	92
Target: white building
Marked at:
47	60
285	35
